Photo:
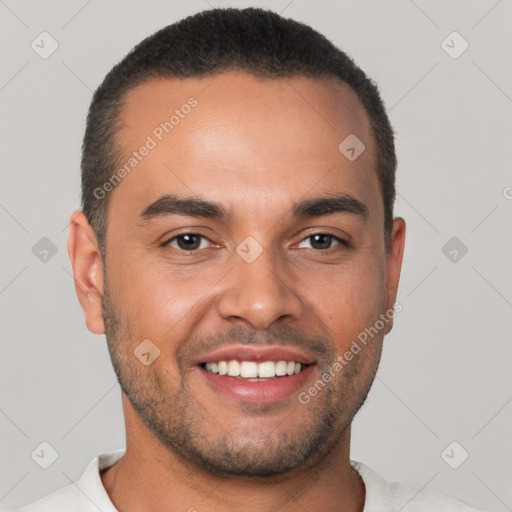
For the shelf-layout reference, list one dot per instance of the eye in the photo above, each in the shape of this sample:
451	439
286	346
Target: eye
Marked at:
187	241
323	241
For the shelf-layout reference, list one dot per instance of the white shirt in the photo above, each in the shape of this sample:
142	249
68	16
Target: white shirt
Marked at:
88	494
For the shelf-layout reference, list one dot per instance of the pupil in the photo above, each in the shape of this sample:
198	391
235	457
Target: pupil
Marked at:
191	245
325	238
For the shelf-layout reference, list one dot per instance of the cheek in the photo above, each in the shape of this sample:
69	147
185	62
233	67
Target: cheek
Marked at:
349	300
165	302
162	300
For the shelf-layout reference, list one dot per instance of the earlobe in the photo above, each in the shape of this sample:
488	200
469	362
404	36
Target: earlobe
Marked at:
394	263
87	265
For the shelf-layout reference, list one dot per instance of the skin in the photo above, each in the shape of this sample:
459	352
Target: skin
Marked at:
257	147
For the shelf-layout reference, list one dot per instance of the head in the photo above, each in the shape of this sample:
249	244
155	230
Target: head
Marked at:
222	207
252	40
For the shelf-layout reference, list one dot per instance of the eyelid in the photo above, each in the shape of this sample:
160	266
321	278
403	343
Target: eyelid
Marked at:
167	241
327	232
341	241
344	238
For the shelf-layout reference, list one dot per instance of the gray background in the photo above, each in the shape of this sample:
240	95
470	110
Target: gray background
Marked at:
445	374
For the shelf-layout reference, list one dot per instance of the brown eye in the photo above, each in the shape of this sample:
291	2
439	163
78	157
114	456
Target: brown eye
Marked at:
187	241
323	241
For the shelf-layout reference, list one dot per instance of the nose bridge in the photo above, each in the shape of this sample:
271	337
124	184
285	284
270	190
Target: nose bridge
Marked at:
258	289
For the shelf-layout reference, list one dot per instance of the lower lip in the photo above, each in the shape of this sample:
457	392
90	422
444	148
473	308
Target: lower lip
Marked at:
260	391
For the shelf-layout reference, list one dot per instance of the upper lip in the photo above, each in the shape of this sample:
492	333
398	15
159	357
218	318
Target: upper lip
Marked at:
257	354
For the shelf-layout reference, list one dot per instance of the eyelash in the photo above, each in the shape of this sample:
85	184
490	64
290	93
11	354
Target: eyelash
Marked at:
341	241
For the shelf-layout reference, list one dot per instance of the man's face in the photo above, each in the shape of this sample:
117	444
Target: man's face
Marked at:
256	279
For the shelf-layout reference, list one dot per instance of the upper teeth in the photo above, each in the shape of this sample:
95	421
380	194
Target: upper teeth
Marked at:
250	369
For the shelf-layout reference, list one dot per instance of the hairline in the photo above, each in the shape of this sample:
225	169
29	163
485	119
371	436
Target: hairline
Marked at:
119	105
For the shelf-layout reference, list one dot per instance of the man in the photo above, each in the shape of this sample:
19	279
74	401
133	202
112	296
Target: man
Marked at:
236	239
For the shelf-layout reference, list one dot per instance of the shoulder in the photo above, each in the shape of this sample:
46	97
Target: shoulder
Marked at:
87	494
62	499
411	499
385	496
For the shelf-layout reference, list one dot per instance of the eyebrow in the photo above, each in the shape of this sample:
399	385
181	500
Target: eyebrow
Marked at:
335	203
170	204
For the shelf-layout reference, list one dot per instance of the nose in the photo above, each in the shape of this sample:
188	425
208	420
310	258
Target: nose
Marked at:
260	292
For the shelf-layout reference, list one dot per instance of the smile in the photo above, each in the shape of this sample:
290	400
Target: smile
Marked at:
257	383
254	370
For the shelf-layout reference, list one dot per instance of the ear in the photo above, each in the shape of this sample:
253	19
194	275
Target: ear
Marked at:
394	264
85	256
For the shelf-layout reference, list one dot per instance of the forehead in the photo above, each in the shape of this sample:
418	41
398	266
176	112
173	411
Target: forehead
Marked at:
236	136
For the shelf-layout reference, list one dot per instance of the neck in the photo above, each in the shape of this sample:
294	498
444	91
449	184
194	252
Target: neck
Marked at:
151	478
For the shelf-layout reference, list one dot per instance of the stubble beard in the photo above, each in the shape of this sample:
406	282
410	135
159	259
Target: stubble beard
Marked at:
171	412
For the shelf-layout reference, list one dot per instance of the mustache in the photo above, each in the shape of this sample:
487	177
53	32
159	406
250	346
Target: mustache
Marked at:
316	345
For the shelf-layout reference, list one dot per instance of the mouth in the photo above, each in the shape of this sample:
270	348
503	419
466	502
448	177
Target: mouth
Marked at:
256	382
